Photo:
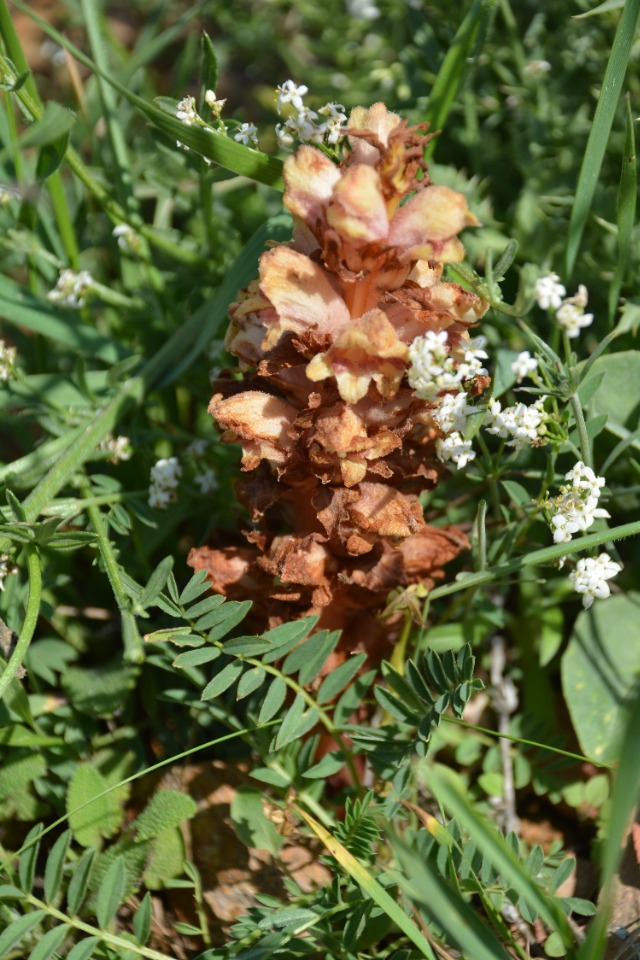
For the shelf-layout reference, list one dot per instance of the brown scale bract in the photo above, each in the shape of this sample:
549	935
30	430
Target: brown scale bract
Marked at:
336	446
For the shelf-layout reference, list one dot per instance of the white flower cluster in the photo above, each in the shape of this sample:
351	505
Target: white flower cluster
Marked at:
165	476
206	480
326	125
454	447
570	315
7	360
434	368
519	425
71	289
186	111
591	575
523	366
451	416
7	568
118	448
577	506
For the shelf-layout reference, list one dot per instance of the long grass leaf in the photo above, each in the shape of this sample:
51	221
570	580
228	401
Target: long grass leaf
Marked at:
454	65
601	128
624	798
627	199
496	849
369	885
447	907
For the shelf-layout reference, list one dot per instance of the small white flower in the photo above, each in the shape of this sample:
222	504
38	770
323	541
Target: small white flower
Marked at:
591	575
284	136
197	447
119	448
536	68
470	365
549	291
206	480
247	133
126	236
572	318
432	369
159	498
186	111
362	9
216	105
71	289
455	448
7	360
290	92
7	568
523	365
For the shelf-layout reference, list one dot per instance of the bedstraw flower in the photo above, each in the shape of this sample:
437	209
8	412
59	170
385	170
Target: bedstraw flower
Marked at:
591	575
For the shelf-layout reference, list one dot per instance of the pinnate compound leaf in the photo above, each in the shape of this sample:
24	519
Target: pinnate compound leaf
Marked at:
55	866
50	942
84	950
274	698
101	817
166	809
80	880
17	930
111	892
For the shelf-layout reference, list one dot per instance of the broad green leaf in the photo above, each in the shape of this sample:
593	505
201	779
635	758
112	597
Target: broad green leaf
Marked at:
17	774
338	679
196	586
223	680
50	156
274	698
50	942
246	646
251	823
101	817
250	681
111	892
19	929
203	606
599	670
221	621
318	657
101	690
55	122
80	879
55	866
156	583
292	632
166	809
9	892
611	89
195	658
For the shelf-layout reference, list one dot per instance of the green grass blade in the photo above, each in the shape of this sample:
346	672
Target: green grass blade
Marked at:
627	199
495	848
462	925
20	307
447	84
369	885
601	128
241	160
624	799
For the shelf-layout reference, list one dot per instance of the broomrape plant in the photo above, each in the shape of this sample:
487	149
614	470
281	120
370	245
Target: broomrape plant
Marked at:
406	505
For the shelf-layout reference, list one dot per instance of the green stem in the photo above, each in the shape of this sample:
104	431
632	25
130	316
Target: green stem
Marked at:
581	426
30	621
122	946
535	558
133	645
